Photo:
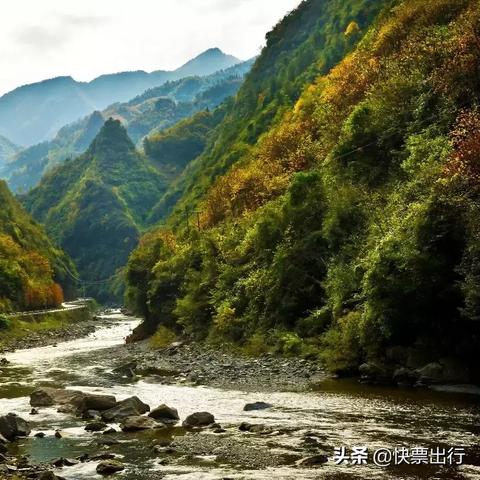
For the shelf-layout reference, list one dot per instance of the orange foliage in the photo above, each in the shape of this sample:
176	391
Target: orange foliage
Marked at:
465	161
57	297
248	186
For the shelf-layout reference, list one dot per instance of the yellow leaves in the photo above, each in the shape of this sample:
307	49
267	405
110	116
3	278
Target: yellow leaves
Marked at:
8	247
352	29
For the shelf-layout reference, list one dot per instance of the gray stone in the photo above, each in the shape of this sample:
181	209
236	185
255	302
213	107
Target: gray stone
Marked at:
256	406
165	414
47	396
126	408
97	426
199	419
108	467
137	422
12	427
97	402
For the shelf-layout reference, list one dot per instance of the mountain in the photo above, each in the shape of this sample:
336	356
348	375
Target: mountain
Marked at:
348	230
306	43
32	270
40	109
94	206
157	108
7	150
206	63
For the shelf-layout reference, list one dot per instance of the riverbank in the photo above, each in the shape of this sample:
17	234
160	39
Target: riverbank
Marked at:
29	331
196	364
271	419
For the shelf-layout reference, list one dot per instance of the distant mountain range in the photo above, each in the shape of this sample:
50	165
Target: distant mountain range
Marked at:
34	113
154	110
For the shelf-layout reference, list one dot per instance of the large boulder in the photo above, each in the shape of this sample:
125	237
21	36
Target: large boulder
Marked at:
12	427
446	370
374	373
256	406
199	419
165	414
97	402
81	401
108	467
129	407
47	396
431	373
137	422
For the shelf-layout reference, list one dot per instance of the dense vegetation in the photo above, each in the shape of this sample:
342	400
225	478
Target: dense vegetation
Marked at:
306	43
350	230
94	206
156	109
32	270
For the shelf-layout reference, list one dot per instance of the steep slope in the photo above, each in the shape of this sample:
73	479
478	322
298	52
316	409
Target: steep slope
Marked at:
157	108
94	206
32	270
7	150
351	231
39	110
28	166
307	42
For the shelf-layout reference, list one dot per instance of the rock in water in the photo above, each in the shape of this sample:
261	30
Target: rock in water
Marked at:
12	427
135	423
46	396
107	467
199	419
256	406
165	414
97	402
95	426
126	408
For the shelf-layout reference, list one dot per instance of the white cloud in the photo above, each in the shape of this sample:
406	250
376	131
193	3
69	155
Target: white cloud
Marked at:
85	39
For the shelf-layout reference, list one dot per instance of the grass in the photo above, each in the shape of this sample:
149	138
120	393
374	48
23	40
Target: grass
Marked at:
16	328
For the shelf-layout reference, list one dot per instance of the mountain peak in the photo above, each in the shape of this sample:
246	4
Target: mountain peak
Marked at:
112	141
207	62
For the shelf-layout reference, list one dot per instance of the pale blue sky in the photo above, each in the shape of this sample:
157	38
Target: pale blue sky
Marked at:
84	39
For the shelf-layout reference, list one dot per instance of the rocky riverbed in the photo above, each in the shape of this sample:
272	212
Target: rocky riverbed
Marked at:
194	364
186	412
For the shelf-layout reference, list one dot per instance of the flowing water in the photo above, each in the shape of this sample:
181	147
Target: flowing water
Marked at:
337	414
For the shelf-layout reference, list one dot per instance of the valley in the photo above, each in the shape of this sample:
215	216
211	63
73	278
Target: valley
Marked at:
293	241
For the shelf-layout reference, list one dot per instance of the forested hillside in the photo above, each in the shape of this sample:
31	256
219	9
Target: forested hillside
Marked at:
155	109
32	270
306	43
95	205
344	226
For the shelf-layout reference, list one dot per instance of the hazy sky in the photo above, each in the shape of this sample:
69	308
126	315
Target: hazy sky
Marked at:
41	39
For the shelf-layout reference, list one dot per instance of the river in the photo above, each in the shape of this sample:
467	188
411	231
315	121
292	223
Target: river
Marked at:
337	414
